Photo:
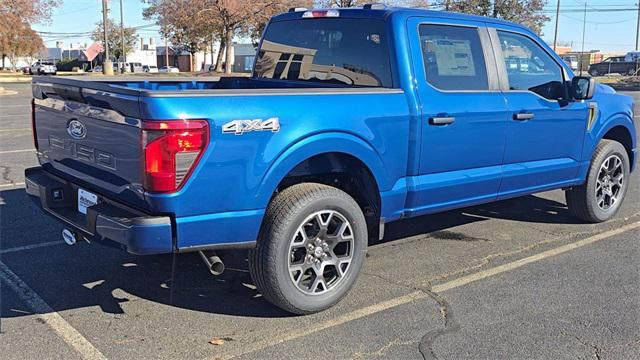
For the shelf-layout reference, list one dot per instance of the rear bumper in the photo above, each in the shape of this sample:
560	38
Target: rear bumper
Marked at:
108	221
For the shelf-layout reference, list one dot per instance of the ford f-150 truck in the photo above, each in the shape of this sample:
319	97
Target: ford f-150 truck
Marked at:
353	118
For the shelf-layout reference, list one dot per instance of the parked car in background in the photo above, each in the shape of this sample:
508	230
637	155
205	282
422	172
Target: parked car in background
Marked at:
43	68
136	67
572	61
26	69
362	117
149	68
169	69
614	65
632	56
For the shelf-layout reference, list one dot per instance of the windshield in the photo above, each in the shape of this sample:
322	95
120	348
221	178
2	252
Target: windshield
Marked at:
352	52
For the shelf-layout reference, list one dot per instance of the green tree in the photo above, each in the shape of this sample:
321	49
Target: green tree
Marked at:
115	40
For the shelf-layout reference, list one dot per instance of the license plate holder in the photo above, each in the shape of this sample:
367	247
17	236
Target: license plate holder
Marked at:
85	200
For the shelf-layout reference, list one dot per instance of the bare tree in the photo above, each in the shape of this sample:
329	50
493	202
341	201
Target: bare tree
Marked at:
184	22
526	12
115	40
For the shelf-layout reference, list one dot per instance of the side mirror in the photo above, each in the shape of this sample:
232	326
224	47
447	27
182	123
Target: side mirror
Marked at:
582	87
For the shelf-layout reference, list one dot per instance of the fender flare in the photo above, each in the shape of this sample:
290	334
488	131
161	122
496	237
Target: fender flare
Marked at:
318	144
597	134
613	121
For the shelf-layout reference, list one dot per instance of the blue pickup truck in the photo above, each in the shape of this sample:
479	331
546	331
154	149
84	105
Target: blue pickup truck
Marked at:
352	118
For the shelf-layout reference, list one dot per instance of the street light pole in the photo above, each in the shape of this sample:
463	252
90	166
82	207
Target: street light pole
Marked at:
638	29
555	36
107	66
124	54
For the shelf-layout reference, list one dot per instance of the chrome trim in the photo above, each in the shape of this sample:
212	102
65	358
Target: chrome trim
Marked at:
79	109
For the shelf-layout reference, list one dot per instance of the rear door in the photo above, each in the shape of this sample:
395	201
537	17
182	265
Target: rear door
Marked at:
463	115
545	129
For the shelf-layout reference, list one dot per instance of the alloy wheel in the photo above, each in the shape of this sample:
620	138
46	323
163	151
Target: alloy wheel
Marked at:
610	182
320	252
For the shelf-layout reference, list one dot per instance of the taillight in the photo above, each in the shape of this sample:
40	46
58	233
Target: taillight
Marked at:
171	151
33	123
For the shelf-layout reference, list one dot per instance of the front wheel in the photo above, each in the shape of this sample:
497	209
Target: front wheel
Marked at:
310	249
600	197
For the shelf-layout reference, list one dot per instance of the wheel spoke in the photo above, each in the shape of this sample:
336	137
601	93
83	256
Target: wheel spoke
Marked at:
617	180
318	284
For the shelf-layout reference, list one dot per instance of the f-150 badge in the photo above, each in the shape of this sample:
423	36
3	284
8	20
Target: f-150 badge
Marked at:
240	127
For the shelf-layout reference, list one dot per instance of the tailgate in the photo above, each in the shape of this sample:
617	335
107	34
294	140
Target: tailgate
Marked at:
91	136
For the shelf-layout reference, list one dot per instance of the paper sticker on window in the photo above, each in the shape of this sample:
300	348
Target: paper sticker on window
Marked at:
454	58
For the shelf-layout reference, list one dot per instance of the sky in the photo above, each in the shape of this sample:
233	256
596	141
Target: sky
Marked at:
607	31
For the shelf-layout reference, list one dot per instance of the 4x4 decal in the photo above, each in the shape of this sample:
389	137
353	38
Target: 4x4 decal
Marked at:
240	127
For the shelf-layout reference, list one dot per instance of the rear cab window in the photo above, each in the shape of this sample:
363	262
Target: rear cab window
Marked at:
339	51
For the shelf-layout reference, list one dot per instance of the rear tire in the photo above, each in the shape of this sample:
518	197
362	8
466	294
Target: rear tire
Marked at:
600	197
310	249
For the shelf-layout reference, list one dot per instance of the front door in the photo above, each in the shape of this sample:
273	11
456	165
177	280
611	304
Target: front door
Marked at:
546	129
464	116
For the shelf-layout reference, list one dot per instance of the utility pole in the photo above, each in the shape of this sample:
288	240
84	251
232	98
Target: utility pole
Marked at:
124	54
166	52
107	65
638	30
584	31
555	36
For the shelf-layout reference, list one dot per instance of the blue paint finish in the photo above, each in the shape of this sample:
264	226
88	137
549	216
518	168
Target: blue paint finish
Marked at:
231	227
241	172
419	168
614	110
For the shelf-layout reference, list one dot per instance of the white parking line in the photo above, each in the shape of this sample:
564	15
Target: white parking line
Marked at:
14	130
14	115
30	247
417	295
17	151
57	323
18	184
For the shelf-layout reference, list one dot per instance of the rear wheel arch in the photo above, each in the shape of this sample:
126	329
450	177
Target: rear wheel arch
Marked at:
345	172
317	145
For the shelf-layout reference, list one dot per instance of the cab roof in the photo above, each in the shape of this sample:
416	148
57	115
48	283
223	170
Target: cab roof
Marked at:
383	13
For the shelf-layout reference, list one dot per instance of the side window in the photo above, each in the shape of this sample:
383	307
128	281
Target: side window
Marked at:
529	67
453	57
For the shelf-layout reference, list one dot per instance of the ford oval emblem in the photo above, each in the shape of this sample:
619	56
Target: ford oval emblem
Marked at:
76	129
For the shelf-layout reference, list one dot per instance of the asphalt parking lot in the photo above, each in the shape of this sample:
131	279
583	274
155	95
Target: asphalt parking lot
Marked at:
515	279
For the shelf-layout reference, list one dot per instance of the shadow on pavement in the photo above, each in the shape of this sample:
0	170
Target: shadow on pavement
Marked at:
93	275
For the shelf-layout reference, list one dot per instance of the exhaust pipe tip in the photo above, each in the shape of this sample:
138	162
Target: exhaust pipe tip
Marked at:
216	266
69	237
213	262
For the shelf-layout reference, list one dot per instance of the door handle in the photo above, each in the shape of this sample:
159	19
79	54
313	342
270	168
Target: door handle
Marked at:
442	120
523	116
